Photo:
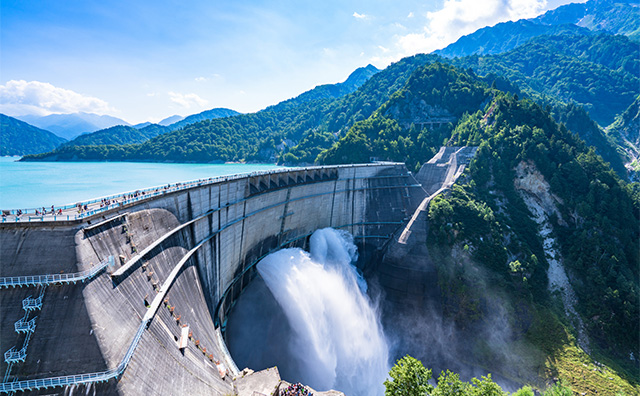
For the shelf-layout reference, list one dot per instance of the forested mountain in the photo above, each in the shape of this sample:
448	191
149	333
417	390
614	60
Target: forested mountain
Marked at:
119	134
124	134
20	138
577	120
595	220
69	126
599	72
403	128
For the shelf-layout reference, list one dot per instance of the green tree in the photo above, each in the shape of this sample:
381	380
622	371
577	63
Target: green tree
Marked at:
558	389
449	384
409	377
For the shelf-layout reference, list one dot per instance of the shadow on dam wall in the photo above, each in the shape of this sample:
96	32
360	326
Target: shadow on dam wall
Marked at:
178	259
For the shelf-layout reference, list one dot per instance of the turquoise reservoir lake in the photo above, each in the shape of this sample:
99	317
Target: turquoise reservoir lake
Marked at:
26	185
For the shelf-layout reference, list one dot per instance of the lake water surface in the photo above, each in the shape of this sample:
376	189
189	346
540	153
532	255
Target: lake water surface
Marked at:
36	184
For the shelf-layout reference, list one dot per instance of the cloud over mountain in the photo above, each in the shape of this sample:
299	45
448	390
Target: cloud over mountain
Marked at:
20	97
187	100
457	18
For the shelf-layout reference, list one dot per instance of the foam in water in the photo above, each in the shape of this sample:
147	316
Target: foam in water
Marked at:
338	339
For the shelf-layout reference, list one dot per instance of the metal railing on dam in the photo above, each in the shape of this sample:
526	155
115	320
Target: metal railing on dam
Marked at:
83	210
77	379
54	279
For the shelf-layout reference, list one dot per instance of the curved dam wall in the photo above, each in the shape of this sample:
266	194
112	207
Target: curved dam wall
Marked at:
178	259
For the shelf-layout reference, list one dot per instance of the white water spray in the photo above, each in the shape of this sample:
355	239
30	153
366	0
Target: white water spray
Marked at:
338	339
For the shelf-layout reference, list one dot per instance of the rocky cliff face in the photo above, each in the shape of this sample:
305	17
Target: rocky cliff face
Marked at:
536	193
418	111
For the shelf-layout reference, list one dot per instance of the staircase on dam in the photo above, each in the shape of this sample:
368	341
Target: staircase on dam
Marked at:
406	272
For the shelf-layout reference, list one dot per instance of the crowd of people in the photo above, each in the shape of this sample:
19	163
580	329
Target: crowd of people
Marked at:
295	390
106	202
43	212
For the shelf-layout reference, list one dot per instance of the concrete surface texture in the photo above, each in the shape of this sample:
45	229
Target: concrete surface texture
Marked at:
88	327
406	272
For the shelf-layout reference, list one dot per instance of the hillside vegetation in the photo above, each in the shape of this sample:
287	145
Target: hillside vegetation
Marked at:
20	138
600	73
118	134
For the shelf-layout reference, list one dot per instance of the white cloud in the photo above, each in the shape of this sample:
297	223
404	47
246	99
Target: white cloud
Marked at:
359	16
202	79
411	15
187	100
19	97
457	18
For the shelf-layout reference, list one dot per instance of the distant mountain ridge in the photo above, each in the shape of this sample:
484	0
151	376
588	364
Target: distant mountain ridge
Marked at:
125	134
69	126
20	138
171	120
611	16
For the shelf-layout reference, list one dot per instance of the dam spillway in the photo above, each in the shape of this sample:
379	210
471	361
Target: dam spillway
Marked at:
175	260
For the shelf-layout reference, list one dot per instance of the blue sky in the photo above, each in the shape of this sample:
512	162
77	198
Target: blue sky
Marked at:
147	60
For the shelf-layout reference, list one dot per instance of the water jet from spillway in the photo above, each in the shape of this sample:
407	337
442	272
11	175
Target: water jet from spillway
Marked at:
337	339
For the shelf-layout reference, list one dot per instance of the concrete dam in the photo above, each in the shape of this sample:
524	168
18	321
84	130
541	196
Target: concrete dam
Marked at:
134	298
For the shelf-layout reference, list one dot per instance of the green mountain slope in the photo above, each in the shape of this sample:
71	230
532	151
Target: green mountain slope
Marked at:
119	134
401	129
596	221
597	72
600	73
20	138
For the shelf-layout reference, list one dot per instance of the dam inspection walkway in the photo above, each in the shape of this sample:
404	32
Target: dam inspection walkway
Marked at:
54	279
